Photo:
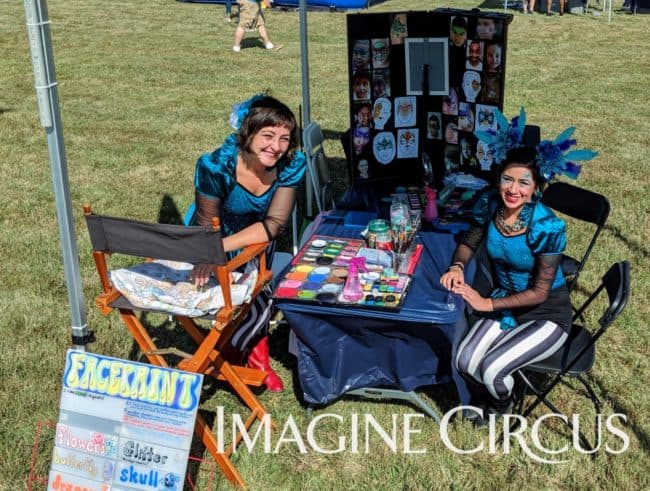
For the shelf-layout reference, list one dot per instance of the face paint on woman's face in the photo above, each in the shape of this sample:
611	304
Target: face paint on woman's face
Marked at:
516	186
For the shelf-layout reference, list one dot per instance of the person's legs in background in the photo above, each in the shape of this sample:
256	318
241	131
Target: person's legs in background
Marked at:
549	4
228	10
529	6
239	35
265	37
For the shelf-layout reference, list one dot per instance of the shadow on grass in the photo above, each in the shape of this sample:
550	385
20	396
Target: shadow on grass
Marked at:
168	212
616	232
633	424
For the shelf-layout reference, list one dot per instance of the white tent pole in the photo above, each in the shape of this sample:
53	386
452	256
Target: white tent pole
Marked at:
40	43
306	109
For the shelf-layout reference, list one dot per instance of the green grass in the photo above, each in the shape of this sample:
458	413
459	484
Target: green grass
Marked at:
145	87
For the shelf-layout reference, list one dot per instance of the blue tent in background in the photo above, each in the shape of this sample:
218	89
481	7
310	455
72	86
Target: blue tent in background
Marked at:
331	4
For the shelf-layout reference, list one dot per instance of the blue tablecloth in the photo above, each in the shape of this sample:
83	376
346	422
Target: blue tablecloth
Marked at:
342	348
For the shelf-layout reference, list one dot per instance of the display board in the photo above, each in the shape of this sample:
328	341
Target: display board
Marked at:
423	82
123	425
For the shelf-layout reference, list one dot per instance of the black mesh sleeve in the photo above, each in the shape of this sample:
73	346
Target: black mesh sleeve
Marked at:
279	212
206	208
543	275
468	246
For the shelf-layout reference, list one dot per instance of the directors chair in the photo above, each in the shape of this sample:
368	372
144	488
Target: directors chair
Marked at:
196	244
577	356
583	205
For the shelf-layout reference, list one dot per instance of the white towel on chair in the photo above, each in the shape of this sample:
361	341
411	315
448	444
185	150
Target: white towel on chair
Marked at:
164	285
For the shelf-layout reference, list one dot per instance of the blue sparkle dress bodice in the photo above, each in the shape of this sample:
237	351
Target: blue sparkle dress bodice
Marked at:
216	177
514	260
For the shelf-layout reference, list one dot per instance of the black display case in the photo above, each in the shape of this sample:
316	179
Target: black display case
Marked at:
421	83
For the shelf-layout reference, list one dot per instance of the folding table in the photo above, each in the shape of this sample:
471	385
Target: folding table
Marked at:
381	353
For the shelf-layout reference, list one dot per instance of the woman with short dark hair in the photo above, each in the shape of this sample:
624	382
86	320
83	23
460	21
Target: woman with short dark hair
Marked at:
251	183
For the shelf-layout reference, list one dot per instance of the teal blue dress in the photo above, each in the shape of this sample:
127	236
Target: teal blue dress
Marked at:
513	261
215	177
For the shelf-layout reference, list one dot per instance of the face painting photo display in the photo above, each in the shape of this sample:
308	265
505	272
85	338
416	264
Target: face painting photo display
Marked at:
361	54
361	86
434	126
380	83
398	29
405	111
380	50
381	112
474	56
458	31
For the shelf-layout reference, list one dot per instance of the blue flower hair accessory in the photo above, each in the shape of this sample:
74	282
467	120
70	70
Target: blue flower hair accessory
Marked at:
506	137
553	157
241	109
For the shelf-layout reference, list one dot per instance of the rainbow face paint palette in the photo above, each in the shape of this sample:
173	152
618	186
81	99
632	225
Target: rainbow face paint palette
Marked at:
325	251
320	269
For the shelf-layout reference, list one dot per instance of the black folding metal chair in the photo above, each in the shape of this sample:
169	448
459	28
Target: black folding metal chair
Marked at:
583	205
577	356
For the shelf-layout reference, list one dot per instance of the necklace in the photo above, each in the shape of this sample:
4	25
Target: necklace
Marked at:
518	225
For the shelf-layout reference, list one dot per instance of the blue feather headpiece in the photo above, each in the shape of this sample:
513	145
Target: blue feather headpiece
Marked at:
506	137
240	111
553	157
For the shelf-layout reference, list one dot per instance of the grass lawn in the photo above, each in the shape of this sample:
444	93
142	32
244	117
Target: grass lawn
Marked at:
145	87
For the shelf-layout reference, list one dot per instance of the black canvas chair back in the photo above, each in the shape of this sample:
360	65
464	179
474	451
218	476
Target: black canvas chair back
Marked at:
318	166
160	241
110	235
578	354
583	205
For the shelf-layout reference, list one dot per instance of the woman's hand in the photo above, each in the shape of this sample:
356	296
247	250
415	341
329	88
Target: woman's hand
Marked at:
200	274
453	277
472	297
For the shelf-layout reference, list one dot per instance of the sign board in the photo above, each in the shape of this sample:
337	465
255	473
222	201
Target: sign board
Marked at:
123	425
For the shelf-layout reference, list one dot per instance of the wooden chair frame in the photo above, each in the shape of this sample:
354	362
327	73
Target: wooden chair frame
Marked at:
207	358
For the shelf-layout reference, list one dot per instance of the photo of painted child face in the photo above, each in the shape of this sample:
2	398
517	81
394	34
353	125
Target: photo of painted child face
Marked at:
360	138
465	117
485	28
380	53
484	155
361	54
363	169
466	153
361	87
433	132
363	115
451	133
450	103
380	84
493	57
458	31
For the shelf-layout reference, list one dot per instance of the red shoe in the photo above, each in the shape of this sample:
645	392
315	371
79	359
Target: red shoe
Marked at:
259	358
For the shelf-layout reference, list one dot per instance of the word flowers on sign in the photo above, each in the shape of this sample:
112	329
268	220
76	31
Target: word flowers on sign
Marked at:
123	425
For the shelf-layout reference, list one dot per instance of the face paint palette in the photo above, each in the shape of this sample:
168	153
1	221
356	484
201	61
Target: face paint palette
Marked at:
328	251
319	271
